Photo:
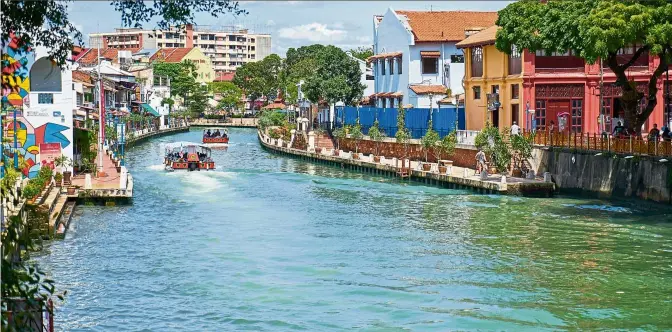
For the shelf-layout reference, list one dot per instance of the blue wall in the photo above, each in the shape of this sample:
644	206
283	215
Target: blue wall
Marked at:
444	119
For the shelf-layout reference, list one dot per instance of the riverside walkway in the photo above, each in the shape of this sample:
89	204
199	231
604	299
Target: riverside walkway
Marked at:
230	122
458	177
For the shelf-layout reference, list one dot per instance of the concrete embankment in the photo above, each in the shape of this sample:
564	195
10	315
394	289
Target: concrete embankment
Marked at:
457	177
607	175
232	122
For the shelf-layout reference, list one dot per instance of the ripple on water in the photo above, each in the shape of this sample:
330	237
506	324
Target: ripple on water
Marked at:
269	243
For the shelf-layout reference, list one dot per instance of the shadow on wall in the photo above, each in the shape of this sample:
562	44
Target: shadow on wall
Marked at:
607	175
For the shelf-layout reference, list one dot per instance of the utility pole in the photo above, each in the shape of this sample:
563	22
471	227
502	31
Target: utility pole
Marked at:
603	119
101	116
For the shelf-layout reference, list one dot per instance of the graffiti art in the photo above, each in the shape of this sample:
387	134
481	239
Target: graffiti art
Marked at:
16	62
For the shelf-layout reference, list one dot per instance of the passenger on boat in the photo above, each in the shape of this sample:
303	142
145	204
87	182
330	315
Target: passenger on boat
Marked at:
217	134
207	134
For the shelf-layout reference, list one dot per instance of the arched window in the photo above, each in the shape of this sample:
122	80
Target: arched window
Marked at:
45	76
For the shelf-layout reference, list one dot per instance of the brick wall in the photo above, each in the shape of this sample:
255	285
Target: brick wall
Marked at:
462	157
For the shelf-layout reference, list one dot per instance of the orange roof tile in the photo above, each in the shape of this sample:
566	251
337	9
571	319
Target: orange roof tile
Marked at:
274	106
445	25
384	55
224	77
81	76
425	89
483	37
430	53
90	57
171	54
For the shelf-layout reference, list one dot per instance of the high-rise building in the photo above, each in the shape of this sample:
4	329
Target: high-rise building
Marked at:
227	48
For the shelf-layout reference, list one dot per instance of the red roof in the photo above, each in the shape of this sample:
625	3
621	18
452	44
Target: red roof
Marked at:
90	56
425	89
171	54
221	76
81	76
446	25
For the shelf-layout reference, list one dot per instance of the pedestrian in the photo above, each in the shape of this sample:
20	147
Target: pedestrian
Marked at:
480	161
654	133
619	130
515	130
666	135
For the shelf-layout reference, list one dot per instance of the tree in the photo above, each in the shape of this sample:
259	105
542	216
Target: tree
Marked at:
182	77
198	100
337	77
429	140
46	23
362	52
596	29
260	79
230	95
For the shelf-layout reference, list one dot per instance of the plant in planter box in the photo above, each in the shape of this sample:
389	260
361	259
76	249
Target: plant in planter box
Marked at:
445	147
58	178
429	141
402	135
494	146
356	134
377	136
31	190
522	149
64	162
340	133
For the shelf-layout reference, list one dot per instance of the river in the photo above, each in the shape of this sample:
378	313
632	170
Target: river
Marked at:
270	243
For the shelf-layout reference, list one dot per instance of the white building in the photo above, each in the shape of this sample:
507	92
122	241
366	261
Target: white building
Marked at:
415	59
367	75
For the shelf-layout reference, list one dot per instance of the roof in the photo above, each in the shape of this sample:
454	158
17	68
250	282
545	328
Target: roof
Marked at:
81	76
90	56
445	25
224	77
483	37
274	106
430	53
425	89
384	55
175	145
171	54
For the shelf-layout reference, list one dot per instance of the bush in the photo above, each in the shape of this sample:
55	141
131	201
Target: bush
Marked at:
31	190
58	177
376	134
270	119
494	146
429	140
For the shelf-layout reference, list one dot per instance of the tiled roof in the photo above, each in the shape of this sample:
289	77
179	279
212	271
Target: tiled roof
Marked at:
224	77
171	54
425	89
275	106
81	76
384	55
90	57
446	25
483	37
430	53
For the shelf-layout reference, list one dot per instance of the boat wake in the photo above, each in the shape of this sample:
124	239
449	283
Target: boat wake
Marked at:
197	182
157	167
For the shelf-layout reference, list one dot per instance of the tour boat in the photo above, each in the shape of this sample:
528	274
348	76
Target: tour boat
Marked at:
213	136
188	156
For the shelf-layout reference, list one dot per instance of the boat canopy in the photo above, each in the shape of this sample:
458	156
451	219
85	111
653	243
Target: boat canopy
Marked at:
178	145
212	130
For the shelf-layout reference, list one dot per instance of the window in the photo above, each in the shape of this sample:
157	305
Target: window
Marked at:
515	62
577	115
384	100
160	44
457	58
399	65
232	38
494	89
540	115
515	114
515	91
543	53
476	62
477	92
45	98
382	66
392	60
430	65
80	99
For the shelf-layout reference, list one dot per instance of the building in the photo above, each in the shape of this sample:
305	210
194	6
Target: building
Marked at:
42	96
203	63
538	88
488	72
415	58
367	75
228	48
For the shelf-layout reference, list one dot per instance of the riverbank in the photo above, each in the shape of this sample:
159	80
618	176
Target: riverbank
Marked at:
230	122
456	177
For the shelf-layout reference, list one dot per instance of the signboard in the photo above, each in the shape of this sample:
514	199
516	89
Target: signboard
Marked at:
49	152
493	101
120	133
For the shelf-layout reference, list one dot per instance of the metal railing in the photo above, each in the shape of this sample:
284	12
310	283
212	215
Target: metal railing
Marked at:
634	145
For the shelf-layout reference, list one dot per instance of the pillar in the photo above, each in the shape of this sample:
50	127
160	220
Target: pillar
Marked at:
311	141
123	178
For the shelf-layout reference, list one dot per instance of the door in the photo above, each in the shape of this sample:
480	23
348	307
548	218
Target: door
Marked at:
558	112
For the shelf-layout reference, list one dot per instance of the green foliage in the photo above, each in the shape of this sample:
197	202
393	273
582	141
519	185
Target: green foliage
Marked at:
494	145
198	100
402	135
62	161
593	30
429	140
8	181
376	134
362	52
340	133
356	134
336	77
522	147
58	177
260	79
447	145
230	95
270	119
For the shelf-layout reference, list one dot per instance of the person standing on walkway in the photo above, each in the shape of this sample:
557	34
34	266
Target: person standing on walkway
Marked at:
515	130
480	161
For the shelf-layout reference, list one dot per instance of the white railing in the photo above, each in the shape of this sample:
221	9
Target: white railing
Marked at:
467	137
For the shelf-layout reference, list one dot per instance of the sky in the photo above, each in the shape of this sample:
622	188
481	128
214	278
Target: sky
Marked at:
346	24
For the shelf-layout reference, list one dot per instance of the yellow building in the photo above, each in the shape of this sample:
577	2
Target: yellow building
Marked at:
492	74
203	63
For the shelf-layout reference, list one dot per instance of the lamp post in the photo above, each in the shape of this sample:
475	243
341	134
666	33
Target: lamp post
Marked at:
16	143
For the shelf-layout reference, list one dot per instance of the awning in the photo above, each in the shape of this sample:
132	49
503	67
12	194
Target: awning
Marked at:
150	110
430	54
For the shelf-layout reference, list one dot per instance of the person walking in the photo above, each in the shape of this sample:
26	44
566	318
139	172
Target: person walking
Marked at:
515	130
480	161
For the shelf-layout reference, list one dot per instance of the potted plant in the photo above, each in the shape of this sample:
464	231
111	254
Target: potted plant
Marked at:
64	162
58	178
357	135
31	191
402	136
428	142
495	147
377	136
71	190
339	133
446	147
522	150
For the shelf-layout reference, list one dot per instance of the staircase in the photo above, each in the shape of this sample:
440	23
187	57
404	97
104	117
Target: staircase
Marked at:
324	141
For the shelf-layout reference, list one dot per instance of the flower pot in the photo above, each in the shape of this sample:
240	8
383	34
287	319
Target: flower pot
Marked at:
492	170
376	159
517	172
318	150
336	153
355	156
426	167
443	169
71	190
66	176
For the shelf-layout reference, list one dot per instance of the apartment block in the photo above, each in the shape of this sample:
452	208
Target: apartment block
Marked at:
228	48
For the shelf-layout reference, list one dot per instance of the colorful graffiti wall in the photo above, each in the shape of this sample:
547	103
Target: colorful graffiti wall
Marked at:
44	126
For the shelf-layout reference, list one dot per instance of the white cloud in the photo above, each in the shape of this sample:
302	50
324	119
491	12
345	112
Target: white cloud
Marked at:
292	2
314	32
270	23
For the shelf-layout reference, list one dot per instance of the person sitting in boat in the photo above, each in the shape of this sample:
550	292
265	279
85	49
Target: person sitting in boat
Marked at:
216	133
207	134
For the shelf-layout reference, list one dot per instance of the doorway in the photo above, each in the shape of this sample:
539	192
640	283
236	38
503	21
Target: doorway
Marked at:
556	108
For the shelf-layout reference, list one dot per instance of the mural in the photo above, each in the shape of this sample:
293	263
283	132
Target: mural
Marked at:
29	141
17	58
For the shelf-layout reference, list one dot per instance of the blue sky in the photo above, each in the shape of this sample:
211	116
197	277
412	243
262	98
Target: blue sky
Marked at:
346	24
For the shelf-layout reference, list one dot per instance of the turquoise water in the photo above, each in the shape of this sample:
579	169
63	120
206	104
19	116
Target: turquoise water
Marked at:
269	243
